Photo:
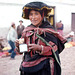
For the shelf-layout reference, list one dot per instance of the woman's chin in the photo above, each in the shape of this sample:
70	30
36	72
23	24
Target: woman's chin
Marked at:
35	24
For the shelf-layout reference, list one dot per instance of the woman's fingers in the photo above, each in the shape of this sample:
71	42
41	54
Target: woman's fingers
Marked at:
34	47
31	48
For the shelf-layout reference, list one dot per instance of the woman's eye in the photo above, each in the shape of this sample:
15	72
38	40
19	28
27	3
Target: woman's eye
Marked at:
30	14
36	13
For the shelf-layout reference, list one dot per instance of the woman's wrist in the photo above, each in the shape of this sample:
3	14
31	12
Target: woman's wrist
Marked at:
41	47
41	52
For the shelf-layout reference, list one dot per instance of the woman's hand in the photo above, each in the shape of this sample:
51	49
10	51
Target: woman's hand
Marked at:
21	40
34	47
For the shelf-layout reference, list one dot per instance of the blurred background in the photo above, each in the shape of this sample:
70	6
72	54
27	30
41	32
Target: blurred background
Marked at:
11	11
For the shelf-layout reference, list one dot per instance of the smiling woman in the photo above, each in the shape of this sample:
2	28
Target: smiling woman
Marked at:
43	43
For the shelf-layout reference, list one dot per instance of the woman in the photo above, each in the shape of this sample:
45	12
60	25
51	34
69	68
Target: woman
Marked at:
42	41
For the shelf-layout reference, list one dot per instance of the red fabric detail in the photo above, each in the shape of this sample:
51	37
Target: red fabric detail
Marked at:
38	31
55	48
28	34
49	31
60	32
51	43
42	43
33	63
47	50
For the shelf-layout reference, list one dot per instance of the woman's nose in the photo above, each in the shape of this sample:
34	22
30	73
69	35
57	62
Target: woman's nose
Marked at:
33	17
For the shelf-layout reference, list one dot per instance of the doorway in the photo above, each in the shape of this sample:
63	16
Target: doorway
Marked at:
51	17
73	22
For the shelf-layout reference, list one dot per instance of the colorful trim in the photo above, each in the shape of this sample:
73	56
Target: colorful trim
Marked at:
25	10
45	7
41	30
33	63
54	46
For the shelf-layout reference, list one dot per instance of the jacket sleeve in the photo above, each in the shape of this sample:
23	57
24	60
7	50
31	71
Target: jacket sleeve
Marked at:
47	50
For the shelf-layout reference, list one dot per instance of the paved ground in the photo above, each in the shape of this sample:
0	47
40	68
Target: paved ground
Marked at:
68	61
11	67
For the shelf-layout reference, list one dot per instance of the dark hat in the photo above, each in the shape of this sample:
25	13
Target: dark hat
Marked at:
35	6
21	21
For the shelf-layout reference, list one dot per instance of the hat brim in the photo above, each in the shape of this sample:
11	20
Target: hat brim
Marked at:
35	6
21	21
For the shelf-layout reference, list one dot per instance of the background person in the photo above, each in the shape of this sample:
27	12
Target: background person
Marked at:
11	37
39	59
1	47
20	28
60	27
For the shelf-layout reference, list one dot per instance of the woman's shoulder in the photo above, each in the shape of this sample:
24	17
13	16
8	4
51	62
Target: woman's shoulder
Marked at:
46	24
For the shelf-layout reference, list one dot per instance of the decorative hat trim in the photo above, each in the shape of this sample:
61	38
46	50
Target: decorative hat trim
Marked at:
25	9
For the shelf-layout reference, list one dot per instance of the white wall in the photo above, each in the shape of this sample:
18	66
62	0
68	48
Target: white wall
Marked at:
11	11
9	14
64	14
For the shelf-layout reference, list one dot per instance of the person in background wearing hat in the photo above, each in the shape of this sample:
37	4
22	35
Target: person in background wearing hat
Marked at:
11	37
20	28
44	44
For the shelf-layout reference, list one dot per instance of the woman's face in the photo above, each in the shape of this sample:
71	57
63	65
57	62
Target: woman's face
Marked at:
35	17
